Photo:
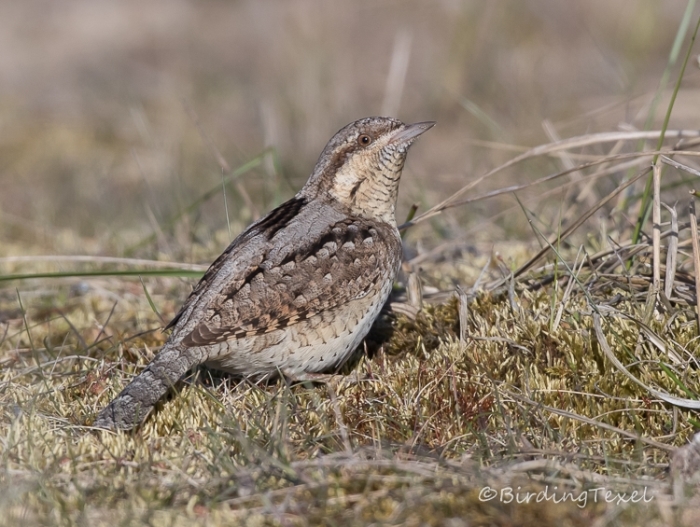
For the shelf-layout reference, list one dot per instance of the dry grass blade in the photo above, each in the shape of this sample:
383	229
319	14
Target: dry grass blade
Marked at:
225	167
593	422
676	401
696	253
575	270
414	291
571	228
685	466
649	334
509	210
554	137
656	230
679	166
463	315
671	252
637	159
396	78
573	142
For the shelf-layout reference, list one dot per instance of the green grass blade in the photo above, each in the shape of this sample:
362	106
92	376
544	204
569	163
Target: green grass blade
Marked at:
680	384
150	300
646	198
183	273
247	167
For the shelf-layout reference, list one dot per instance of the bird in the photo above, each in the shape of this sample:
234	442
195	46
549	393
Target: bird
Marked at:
295	293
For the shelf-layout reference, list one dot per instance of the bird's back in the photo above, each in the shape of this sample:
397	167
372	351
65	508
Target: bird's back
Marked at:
277	276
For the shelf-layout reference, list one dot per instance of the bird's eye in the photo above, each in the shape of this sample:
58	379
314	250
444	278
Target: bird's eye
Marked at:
364	140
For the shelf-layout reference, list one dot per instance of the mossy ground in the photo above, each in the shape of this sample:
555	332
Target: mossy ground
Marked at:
158	130
411	433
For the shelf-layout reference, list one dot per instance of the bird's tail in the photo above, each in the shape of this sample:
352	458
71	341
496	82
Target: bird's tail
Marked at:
134	403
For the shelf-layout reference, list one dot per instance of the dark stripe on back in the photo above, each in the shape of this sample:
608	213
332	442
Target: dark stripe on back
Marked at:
280	217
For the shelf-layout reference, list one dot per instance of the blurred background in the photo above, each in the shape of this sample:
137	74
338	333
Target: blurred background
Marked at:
111	112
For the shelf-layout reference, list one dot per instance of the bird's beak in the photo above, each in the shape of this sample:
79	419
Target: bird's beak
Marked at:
408	133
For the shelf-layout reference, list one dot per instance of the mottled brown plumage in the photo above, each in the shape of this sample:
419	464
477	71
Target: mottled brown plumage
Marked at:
298	290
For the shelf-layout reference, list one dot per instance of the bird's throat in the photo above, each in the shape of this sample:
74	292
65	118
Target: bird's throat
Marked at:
367	191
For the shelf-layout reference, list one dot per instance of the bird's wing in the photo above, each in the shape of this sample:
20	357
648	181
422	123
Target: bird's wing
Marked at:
274	291
266	227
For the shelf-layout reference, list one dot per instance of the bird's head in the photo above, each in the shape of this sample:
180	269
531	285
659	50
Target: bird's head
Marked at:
361	165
